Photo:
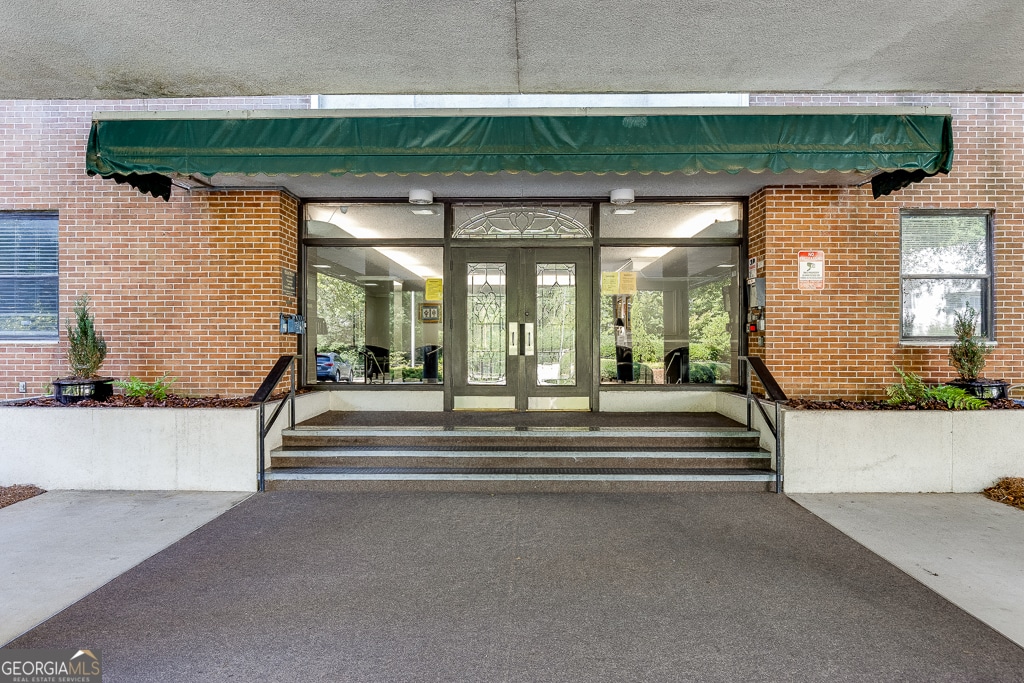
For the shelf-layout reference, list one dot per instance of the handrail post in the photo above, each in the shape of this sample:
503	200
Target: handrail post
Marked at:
261	482
750	416
292	395
778	447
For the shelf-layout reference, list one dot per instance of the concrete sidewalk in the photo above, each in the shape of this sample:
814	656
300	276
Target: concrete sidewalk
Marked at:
60	546
965	547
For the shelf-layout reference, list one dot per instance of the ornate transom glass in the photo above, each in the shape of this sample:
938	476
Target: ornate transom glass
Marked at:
505	221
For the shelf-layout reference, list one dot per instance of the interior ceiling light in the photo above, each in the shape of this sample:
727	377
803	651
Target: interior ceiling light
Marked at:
622	196
421	197
620	211
424	212
320	265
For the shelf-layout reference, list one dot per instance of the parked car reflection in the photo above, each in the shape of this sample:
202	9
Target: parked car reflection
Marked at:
330	366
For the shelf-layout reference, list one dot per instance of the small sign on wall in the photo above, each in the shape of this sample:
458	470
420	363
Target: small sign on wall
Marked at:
288	280
430	313
811	273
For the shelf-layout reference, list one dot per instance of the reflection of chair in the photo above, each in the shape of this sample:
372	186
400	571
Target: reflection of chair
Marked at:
376	363
677	366
431	356
623	363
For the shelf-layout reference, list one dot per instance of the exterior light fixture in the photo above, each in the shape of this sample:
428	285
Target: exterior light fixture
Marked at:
622	196
421	197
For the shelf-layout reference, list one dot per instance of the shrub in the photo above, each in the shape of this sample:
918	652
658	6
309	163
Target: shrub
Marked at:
966	354
86	347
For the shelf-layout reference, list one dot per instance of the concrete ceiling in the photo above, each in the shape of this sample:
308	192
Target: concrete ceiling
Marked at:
126	49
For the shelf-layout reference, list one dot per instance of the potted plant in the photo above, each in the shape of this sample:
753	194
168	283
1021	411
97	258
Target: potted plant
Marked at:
86	353
967	356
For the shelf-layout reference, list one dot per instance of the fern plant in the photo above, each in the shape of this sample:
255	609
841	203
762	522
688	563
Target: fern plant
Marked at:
133	386
912	390
86	347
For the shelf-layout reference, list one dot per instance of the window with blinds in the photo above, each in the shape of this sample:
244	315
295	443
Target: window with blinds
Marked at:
946	266
28	275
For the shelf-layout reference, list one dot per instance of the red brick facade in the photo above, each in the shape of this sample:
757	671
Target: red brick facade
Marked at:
843	341
191	287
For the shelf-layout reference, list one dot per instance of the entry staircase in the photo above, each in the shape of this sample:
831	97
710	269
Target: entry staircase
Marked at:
520	452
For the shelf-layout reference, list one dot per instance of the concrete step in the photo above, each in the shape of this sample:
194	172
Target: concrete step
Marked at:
519	480
431	458
582	439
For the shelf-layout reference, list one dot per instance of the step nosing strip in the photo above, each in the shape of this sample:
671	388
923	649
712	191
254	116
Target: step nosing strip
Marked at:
525	477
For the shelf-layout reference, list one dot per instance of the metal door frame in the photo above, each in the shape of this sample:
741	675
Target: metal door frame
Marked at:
521	257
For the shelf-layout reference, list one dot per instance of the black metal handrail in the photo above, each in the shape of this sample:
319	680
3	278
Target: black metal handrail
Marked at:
260	397
776	395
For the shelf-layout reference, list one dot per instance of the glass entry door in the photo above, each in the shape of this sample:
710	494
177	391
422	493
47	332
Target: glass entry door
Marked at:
522	328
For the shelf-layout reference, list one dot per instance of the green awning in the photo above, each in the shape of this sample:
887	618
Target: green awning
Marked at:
896	149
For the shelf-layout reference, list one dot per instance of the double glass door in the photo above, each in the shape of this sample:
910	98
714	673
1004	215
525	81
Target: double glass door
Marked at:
522	328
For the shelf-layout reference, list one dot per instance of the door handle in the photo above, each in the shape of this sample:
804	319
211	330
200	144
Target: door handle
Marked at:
528	337
513	339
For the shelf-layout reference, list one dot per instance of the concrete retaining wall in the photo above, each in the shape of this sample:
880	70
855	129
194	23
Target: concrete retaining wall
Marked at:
190	449
836	451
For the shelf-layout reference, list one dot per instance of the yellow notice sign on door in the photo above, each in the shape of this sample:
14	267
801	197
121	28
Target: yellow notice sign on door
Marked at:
435	289
627	283
615	283
609	283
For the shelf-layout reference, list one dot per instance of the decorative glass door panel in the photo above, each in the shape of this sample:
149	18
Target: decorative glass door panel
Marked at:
486	318
556	324
522	328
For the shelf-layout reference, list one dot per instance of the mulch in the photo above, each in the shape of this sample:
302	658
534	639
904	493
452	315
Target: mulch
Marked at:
1009	491
172	401
9	495
842	404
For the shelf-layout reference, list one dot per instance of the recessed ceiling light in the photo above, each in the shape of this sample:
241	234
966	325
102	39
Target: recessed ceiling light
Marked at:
424	212
623	212
725	265
320	265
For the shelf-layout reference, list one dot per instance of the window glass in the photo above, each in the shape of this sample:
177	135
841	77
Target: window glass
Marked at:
945	245
374	221
28	276
672	221
379	310
669	315
945	264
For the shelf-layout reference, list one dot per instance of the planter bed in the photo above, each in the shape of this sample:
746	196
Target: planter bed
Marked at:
847	447
115	445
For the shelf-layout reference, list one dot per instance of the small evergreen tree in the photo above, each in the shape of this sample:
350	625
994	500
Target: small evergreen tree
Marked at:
966	354
86	347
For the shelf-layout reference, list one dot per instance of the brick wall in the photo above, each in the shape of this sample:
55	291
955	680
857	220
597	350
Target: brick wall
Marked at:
191	287
842	341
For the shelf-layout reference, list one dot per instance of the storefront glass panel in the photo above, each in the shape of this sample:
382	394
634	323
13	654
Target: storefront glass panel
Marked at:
669	315
374	314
